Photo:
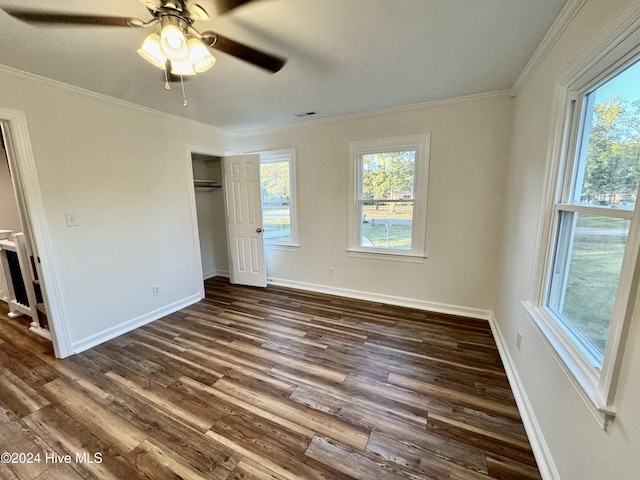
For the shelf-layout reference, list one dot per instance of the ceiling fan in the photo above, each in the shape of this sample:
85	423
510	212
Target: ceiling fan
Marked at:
175	45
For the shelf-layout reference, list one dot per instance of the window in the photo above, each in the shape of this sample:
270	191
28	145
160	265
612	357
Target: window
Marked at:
277	185
389	197
593	247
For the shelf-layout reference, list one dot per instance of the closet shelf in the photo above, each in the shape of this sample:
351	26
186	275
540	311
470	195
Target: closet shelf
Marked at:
208	184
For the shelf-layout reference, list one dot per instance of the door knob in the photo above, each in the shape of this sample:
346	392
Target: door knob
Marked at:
258	230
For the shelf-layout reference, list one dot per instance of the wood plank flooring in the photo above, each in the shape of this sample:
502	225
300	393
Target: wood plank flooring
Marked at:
266	384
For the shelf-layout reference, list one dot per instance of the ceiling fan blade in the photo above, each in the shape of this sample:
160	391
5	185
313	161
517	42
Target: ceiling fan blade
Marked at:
224	6
243	52
69	19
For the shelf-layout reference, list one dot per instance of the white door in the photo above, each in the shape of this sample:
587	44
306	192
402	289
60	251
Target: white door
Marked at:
244	220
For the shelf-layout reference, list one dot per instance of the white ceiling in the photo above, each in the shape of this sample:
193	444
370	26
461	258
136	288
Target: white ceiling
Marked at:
344	56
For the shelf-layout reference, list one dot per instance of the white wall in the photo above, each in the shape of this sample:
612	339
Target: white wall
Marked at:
579	448
125	173
469	149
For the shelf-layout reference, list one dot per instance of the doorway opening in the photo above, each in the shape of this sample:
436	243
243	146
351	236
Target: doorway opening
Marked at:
22	293
228	209
210	211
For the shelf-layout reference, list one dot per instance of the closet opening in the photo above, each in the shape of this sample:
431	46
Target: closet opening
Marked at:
210	209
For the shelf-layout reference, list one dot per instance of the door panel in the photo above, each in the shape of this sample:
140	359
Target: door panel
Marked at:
244	218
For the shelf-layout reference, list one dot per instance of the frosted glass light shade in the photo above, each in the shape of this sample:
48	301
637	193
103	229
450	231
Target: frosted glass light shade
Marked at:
173	43
184	67
151	51
199	56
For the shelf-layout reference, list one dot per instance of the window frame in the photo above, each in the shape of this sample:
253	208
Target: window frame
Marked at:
421	144
596	385
277	156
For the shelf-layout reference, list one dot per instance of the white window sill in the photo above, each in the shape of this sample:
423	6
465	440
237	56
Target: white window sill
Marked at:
284	247
584	381
386	255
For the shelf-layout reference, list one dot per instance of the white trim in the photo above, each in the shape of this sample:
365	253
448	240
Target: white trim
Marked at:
622	316
615	46
216	273
421	143
134	323
555	156
396	256
191	149
593	210
27	178
373	113
382	298
194	218
566	359
609	39
541	451
288	247
281	155
209	274
560	24
32	77
48	82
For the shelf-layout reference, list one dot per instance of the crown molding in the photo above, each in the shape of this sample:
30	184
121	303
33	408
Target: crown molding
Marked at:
608	40
373	113
48	82
44	81
566	16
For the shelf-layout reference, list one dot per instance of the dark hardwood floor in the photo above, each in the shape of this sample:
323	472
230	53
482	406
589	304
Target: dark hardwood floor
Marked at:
265	384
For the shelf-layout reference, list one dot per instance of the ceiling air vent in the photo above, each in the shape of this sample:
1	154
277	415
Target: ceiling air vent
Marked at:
305	114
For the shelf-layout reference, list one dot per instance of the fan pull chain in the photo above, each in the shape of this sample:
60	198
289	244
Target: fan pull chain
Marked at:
184	96
166	80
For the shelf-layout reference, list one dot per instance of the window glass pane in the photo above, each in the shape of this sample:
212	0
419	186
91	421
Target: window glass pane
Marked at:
609	166
386	225
586	275
388	176
276	200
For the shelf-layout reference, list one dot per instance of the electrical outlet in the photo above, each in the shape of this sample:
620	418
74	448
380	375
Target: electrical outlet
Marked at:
331	271
156	290
518	340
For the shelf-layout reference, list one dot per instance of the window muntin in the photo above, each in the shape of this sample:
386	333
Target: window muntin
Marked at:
277	182
388	210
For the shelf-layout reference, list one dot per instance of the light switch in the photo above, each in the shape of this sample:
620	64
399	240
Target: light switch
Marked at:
71	218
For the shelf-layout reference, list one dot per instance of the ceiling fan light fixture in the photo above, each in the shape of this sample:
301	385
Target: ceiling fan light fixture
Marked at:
172	38
151	51
199	56
182	67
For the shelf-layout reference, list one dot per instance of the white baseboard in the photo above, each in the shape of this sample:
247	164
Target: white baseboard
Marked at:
388	299
539	446
132	324
216	273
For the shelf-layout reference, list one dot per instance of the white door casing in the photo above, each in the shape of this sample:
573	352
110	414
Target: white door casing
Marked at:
244	220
